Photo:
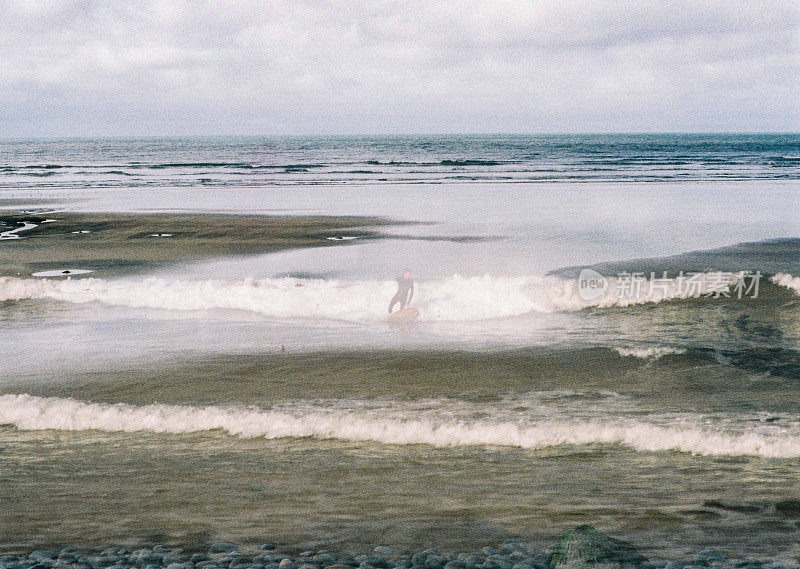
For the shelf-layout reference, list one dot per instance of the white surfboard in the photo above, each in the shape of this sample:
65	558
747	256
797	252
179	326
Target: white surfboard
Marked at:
405	315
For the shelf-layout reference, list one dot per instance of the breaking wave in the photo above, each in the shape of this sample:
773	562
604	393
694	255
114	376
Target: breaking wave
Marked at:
690	434
649	352
788	281
454	299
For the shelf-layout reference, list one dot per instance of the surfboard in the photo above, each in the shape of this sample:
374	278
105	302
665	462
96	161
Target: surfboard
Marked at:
404	315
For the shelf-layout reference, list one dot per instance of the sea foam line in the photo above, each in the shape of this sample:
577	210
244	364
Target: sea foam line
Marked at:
28	412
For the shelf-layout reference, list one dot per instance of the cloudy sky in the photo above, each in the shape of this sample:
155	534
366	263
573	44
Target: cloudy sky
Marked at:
86	67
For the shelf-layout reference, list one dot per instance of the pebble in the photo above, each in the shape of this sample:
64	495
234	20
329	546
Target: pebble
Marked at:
418	559
348	560
511	554
434	561
711	555
223	547
324	559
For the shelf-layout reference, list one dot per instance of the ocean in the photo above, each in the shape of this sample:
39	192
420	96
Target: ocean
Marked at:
608	333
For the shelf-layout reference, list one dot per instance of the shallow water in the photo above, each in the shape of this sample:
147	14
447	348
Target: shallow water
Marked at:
266	398
94	488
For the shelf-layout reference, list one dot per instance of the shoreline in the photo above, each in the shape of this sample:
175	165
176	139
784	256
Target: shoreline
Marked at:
581	547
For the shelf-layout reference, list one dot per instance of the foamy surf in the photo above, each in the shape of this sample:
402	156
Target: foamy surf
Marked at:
695	434
649	352
788	281
456	299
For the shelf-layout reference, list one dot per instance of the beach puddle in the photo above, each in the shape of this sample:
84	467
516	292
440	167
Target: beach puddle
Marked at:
62	273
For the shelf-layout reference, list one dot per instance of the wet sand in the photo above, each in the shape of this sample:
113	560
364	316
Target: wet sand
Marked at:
114	244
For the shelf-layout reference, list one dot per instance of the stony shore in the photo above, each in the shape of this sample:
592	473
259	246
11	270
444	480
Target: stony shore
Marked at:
580	548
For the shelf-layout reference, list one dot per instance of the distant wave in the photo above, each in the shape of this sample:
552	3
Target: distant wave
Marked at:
445	162
164	165
197	165
43	167
690	434
457	299
242	162
232	165
472	162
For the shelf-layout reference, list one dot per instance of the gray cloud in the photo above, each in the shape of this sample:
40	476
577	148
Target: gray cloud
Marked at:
162	67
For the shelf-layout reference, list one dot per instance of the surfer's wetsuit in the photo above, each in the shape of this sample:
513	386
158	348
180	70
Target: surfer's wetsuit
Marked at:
405	292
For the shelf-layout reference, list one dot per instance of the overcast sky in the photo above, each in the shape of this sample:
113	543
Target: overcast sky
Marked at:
122	67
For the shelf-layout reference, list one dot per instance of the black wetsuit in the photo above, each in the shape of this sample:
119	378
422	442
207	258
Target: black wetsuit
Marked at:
405	292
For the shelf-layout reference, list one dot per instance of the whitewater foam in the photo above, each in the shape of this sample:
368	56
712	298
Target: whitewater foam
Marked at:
695	434
649	352
788	281
456	299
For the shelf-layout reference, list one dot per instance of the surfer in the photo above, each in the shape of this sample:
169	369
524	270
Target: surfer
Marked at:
405	291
